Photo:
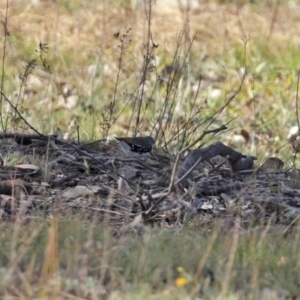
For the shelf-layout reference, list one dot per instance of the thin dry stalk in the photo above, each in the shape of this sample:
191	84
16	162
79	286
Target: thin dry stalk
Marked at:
231	257
202	262
273	21
6	33
51	256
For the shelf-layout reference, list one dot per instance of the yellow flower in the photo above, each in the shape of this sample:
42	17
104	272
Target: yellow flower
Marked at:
181	281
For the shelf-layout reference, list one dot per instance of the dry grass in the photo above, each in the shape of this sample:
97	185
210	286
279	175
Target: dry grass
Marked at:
87	260
213	42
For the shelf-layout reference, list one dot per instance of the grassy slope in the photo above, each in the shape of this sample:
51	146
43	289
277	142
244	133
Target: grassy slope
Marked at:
79	257
87	69
89	260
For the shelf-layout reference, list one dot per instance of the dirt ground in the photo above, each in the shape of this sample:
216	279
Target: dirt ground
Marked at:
97	178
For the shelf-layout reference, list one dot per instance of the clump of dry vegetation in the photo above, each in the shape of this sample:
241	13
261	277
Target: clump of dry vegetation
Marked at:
81	220
149	67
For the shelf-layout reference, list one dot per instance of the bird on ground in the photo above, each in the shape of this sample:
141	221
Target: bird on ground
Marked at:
136	146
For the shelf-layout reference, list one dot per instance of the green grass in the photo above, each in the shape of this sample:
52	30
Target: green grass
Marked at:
80	36
86	258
